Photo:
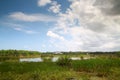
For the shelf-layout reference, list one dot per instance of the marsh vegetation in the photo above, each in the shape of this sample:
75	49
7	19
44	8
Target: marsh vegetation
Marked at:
105	66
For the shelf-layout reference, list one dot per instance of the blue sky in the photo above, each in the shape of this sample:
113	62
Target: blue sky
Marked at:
32	35
59	25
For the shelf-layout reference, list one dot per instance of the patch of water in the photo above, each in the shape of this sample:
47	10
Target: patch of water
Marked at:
54	59
75	58
31	60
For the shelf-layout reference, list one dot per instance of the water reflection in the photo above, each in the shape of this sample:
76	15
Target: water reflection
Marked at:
31	60
75	58
54	59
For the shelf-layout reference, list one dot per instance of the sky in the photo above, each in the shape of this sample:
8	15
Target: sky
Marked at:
60	25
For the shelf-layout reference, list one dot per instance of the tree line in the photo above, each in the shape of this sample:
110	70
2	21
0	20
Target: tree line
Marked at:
18	53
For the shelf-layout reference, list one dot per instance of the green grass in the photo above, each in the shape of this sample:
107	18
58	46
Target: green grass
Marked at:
34	71
101	67
93	69
9	59
24	67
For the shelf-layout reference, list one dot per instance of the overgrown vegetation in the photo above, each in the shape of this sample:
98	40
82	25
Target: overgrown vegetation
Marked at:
103	67
64	61
18	53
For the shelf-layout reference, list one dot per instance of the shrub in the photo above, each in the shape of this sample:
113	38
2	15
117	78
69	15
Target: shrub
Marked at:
64	61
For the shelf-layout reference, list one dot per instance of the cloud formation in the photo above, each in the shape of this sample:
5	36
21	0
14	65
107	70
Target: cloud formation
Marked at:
54	35
43	2
93	25
55	7
32	17
109	7
21	28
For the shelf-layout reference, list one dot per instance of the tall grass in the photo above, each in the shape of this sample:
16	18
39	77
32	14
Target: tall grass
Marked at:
100	66
25	67
34	71
79	70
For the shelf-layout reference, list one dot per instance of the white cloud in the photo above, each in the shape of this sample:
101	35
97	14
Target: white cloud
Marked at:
30	32
90	28
25	31
43	2
32	17
17	28
21	28
54	35
109	45
55	7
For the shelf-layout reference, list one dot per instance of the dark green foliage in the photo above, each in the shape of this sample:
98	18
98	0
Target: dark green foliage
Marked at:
18	53
118	54
8	58
64	61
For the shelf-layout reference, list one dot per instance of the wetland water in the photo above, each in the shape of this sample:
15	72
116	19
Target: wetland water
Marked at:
53	59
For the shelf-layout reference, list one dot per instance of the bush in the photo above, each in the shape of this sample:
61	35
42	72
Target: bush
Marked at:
64	61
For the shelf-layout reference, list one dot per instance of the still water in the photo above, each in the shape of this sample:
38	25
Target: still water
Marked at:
31	60
54	59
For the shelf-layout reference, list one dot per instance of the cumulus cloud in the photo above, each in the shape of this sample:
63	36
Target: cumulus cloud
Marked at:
43	2
54	35
93	25
31	17
55	7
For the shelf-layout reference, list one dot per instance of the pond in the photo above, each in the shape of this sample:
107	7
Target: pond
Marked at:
31	60
54	59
